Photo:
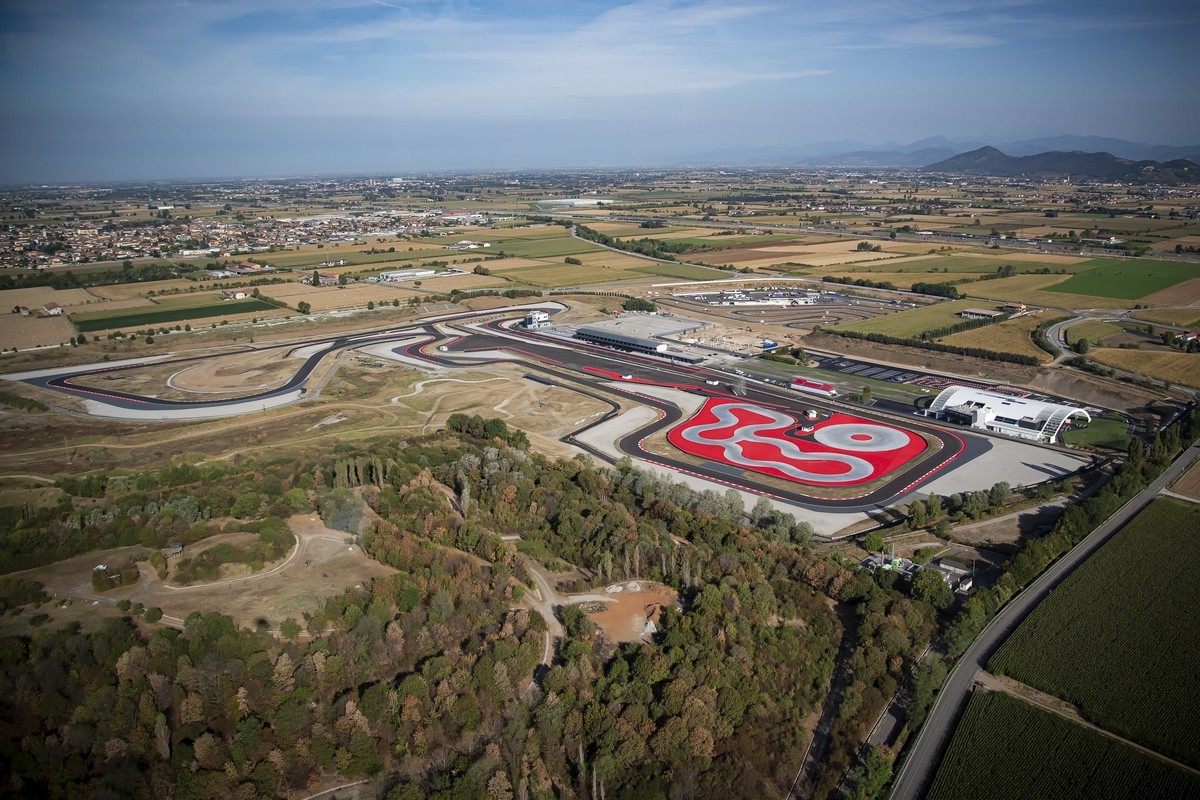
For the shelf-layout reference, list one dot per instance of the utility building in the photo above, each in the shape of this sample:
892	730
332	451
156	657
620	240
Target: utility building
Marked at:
1000	413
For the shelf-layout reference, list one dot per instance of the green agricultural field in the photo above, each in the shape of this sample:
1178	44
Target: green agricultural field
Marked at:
1092	330
1120	638
915	321
982	264
548	247
682	271
134	318
1125	278
1005	749
557	275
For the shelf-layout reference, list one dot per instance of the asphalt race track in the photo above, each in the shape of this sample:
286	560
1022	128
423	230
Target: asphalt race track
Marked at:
587	369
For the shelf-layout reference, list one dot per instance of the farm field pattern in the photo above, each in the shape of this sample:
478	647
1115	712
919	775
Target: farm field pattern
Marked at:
1005	749
1100	641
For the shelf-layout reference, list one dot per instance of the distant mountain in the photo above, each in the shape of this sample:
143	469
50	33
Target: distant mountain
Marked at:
884	158
925	152
1076	163
1138	151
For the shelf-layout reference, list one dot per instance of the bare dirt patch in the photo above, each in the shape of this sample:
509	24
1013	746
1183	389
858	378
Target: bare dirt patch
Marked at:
625	617
1189	484
1181	294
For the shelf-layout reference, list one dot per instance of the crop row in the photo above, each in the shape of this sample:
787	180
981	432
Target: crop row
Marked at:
1005	749
159	316
1120	638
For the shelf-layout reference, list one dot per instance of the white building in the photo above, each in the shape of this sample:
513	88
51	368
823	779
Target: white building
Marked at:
1000	413
536	319
406	275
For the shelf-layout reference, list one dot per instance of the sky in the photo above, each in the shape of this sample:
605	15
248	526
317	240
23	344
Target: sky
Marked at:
108	90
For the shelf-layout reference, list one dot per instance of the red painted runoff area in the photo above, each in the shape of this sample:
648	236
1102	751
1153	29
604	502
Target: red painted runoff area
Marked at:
843	450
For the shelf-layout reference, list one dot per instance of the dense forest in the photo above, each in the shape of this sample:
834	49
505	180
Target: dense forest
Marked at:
430	679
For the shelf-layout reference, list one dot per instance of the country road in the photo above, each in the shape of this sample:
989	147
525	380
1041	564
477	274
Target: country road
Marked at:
921	761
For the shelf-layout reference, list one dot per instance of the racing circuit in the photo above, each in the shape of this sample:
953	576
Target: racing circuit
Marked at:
844	462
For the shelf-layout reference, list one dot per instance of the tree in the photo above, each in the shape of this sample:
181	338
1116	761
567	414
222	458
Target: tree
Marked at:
342	279
303	307
370	305
873	543
999	493
930	587
481	270
149	340
316	278
289	628
934	507
572	260
1082	345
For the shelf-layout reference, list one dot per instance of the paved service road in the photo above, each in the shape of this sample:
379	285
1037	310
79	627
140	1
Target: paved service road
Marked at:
922	760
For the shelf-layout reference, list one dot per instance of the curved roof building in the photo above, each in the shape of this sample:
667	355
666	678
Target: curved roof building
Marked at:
1001	413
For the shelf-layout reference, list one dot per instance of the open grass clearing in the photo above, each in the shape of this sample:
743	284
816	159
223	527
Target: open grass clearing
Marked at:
1092	330
1111	432
1010	336
1165	365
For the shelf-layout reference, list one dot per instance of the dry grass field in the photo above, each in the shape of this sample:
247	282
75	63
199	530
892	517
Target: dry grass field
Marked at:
468	281
1092	330
1010	336
32	331
330	298
1186	317
1176	367
128	291
504	264
35	297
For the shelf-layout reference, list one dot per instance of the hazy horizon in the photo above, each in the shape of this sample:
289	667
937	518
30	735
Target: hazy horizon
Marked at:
139	90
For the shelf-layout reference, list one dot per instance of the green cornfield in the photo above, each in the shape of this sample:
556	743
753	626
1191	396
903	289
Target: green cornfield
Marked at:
1006	749
1120	638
